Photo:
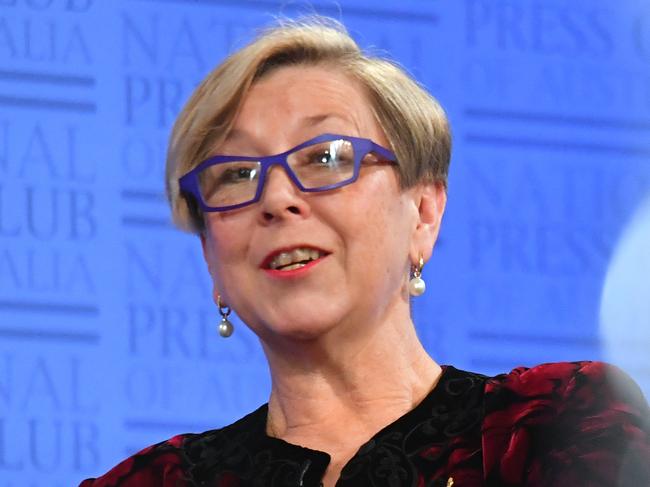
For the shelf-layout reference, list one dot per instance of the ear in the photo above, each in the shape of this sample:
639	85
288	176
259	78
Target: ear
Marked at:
431	199
208	256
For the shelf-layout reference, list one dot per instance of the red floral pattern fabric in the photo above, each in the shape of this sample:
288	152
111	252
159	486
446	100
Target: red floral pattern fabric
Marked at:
156	465
563	424
566	424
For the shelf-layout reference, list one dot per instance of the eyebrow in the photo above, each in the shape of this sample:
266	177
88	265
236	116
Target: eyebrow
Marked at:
236	134
316	119
310	121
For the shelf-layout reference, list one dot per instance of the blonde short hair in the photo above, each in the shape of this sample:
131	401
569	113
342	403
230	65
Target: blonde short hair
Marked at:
412	120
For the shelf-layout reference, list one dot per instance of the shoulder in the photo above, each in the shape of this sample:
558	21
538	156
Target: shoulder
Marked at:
179	460
586	422
156	465
564	381
564	389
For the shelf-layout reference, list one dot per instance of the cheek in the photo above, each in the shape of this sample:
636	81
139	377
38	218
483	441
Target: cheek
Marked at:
382	224
387	207
228	249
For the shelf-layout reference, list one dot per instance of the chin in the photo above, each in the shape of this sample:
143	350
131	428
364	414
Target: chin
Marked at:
301	330
301	316
294	324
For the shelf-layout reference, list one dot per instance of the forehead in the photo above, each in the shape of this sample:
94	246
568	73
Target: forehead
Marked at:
300	101
295	82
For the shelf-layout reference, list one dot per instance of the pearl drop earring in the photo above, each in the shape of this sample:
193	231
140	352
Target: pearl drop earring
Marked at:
225	327
417	286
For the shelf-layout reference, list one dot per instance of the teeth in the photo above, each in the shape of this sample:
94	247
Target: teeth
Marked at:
281	259
295	257
294	266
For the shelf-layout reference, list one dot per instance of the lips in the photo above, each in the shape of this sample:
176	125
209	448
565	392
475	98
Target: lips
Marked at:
292	258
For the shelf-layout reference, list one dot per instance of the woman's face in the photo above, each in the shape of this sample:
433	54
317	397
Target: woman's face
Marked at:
367	231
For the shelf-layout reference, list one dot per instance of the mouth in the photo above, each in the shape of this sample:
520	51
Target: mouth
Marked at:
292	259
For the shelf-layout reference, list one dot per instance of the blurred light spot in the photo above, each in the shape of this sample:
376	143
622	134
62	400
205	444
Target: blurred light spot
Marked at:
625	301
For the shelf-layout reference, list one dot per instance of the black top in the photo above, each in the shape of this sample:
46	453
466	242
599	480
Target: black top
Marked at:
563	424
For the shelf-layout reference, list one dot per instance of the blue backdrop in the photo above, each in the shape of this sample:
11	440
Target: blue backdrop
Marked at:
108	335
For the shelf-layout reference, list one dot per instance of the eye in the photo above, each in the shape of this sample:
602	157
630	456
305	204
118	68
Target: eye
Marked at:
331	154
237	175
229	175
322	158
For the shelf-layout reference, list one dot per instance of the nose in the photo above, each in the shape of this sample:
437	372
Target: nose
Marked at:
281	199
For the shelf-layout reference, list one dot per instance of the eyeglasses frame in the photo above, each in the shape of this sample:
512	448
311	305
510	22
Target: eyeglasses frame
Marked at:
189	183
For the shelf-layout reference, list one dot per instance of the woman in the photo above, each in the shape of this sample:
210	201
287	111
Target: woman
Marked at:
315	177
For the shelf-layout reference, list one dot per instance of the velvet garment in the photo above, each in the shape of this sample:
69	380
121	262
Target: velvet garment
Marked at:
563	424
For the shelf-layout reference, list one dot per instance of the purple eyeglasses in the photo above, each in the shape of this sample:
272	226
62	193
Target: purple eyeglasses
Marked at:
326	162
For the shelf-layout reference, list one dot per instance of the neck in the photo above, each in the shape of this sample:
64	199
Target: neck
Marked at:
331	391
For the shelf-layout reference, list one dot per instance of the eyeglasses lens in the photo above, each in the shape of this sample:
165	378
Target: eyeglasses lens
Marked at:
323	164
229	183
315	166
